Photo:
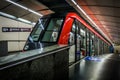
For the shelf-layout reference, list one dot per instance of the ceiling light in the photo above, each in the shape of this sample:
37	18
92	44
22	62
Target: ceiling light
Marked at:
17	4
33	23
23	20
23	7
35	12
7	15
15	18
74	2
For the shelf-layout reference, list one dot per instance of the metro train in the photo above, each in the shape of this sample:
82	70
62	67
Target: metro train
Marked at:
67	29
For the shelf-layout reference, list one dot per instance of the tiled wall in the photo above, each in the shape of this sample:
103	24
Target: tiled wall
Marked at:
13	46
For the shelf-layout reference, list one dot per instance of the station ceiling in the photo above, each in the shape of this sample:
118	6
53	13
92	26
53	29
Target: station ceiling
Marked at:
105	13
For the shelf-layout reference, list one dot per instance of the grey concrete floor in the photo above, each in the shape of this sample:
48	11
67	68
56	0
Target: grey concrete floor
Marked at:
104	67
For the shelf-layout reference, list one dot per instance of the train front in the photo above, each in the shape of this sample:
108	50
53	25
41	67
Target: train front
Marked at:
45	33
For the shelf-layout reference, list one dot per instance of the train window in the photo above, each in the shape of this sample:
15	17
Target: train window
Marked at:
82	32
71	41
73	28
72	35
53	28
38	29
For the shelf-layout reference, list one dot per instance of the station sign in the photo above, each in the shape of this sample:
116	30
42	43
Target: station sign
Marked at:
15	29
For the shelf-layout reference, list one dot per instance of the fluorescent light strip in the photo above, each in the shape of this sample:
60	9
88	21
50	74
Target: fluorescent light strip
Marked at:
90	19
74	2
17	4
23	7
35	12
7	15
23	20
33	23
15	18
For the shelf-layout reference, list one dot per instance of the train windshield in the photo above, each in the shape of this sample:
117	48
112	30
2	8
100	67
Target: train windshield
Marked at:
38	29
45	31
52	31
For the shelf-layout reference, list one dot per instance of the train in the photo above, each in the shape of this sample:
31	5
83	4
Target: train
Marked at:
67	29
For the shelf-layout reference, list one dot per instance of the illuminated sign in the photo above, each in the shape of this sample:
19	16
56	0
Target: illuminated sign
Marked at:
15	29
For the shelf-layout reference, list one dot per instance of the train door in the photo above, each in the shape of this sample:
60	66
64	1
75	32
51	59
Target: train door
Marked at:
77	42
98	46
74	41
102	49
83	43
87	42
72	44
92	44
80	41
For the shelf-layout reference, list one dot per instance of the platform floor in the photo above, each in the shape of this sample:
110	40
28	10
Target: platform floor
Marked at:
105	67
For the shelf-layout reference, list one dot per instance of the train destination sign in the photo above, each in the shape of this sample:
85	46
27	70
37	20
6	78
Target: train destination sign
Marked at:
15	29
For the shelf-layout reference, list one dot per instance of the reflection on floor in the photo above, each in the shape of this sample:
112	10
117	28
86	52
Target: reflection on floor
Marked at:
105	67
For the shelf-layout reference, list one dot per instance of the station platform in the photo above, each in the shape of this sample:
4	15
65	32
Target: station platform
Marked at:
104	67
55	66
